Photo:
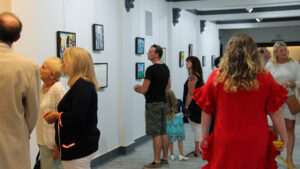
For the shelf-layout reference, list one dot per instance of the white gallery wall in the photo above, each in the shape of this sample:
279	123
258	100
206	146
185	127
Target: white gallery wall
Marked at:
120	109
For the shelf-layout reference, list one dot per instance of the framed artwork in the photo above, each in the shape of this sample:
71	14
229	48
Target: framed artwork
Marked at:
190	49
203	61
181	59
98	37
139	45
164	56
64	40
140	70
101	71
213	58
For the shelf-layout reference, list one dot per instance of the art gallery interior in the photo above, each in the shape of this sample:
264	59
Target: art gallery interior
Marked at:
172	24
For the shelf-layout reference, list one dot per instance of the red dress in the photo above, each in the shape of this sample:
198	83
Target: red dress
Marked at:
241	139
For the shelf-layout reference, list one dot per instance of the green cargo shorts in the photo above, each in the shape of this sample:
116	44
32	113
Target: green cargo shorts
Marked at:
156	118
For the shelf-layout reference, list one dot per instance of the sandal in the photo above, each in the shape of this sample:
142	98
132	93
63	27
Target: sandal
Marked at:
192	154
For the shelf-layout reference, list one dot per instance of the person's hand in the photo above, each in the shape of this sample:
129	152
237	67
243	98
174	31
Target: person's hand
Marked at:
202	142
55	153
136	86
283	146
51	117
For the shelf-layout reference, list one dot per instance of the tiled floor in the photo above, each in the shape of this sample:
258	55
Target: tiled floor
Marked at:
144	154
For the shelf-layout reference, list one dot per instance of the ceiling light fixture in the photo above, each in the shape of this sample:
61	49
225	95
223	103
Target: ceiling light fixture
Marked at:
259	19
249	9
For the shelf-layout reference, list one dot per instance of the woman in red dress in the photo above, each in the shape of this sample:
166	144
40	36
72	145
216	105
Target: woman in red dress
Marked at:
240	94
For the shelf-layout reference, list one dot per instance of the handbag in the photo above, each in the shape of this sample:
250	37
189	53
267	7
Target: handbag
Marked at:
37	164
293	104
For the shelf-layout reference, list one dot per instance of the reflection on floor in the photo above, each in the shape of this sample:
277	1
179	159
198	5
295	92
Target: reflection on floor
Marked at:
144	154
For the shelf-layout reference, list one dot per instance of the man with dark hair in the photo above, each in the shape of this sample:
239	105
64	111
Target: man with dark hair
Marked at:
156	82
19	99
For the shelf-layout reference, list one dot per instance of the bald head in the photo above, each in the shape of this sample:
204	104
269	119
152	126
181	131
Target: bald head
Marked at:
10	27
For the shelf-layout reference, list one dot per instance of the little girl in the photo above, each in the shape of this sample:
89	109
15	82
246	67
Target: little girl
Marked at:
175	127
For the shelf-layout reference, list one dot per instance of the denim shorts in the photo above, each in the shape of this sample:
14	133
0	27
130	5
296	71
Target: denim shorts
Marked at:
156	118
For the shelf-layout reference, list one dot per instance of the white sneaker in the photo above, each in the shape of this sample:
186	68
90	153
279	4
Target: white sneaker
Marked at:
172	157
182	158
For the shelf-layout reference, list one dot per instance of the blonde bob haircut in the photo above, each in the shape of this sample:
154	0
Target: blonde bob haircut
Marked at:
80	65
55	66
240	65
275	48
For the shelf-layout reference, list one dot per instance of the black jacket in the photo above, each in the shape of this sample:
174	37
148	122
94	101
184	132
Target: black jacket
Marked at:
78	136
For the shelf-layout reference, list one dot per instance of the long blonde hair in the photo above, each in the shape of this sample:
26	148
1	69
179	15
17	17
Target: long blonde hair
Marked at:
80	65
274	58
240	65
172	104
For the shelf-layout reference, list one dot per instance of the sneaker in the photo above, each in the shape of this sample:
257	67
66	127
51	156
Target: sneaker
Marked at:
182	158
164	163
172	157
152	165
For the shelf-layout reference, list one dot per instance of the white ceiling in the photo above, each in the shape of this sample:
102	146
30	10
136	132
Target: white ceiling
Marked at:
207	5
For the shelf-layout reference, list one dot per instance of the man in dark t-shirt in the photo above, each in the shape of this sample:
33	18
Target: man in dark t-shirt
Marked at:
156	82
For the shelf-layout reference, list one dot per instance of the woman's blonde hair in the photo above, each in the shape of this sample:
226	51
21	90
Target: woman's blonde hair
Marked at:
172	104
240	65
55	66
275	48
80	65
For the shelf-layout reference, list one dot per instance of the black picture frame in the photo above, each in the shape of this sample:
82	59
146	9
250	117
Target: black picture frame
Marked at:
139	45
101	72
181	59
213	58
139	70
64	40
190	49
203	61
98	37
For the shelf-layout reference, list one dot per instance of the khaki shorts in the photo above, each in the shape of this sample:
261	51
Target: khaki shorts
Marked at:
156	118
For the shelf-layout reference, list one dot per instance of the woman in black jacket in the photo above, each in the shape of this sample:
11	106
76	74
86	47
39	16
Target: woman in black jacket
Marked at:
76	131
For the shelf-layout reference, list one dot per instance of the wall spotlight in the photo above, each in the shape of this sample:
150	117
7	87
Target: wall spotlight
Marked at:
259	19
249	9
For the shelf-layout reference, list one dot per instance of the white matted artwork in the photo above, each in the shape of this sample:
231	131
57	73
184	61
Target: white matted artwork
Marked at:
101	71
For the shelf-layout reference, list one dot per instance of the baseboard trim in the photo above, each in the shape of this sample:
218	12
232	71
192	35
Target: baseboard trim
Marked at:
109	156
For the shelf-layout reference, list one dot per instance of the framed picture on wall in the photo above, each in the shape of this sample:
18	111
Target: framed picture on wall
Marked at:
203	61
64	40
181	59
213	58
101	71
140	70
164	56
190	49
98	37
139	45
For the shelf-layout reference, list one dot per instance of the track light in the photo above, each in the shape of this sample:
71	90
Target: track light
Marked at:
249	9
259	19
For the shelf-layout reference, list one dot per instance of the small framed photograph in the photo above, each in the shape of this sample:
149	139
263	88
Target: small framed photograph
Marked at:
203	61
181	59
213	58
164	56
101	71
139	45
64	40
190	49
98	37
140	70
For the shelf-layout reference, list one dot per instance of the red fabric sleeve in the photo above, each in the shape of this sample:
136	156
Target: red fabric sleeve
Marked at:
204	96
277	95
